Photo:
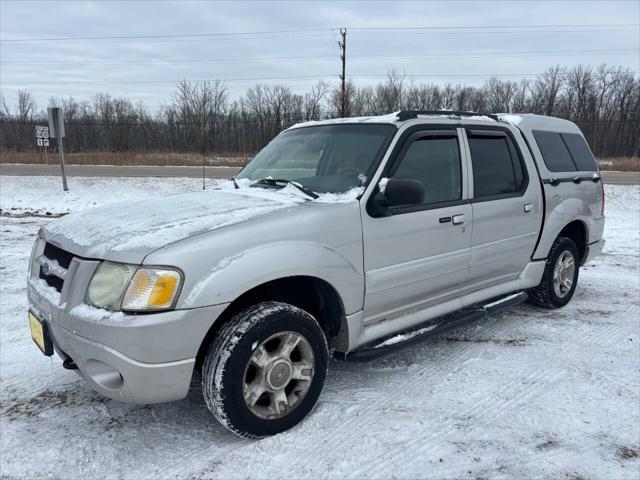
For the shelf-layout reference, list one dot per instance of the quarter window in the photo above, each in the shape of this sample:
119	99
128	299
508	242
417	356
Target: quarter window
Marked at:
497	169
554	151
580	152
434	161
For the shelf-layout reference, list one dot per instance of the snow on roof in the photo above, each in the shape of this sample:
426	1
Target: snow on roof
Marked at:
531	121
388	118
512	119
391	118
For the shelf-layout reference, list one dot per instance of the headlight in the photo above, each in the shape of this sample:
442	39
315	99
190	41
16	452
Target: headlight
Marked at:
119	286
108	284
32	257
152	289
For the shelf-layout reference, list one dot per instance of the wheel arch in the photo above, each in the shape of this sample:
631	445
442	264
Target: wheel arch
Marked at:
576	231
567	219
312	294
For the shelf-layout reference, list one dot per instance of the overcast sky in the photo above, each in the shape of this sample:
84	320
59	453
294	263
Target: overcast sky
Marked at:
144	68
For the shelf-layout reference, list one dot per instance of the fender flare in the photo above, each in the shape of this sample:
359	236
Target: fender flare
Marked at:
231	277
555	221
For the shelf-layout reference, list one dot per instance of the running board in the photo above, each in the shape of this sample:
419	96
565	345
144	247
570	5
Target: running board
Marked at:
433	328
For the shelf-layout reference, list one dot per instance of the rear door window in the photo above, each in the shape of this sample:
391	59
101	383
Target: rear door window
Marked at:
497	169
554	151
580	152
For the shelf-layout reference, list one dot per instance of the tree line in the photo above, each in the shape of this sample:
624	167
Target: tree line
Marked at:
200	117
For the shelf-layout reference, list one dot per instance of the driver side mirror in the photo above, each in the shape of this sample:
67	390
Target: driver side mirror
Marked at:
403	191
396	192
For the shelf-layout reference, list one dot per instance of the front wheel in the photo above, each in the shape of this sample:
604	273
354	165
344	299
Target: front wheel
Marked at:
265	370
560	276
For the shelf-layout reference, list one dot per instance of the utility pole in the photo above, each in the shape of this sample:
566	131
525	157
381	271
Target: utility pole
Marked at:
343	77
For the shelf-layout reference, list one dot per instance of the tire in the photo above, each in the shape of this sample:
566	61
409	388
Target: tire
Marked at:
251	354
547	294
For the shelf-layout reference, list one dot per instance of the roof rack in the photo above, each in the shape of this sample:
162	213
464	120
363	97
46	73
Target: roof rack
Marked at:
409	114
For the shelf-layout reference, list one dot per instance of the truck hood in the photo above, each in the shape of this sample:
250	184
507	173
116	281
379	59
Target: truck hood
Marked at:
129	231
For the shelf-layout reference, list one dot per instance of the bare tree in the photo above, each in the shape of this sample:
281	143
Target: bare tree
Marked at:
26	104
313	100
604	101
5	112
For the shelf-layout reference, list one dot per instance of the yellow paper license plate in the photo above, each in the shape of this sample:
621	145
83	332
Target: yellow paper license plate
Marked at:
40	335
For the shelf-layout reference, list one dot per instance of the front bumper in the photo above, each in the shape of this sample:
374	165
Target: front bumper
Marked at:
134	358
119	377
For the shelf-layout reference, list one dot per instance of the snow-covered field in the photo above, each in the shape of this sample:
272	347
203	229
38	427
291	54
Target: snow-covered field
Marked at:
530	393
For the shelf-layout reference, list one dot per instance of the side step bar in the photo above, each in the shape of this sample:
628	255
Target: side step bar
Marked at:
433	328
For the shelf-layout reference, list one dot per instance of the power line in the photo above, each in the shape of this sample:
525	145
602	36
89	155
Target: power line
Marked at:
335	1
410	56
5	44
245	79
181	35
481	27
436	29
606	30
17	43
298	77
470	75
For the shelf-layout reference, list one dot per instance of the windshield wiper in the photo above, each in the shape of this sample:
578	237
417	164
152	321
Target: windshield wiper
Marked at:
299	186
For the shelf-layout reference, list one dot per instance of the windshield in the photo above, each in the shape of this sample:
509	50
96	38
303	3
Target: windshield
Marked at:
325	158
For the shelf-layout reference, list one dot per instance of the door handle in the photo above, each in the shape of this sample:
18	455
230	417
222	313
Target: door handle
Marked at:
528	207
459	219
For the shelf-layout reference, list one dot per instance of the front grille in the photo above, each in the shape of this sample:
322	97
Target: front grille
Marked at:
63	258
52	281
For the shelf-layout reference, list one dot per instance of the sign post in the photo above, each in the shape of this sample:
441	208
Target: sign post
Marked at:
56	130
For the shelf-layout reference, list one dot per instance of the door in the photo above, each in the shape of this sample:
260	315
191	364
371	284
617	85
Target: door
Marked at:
506	208
419	254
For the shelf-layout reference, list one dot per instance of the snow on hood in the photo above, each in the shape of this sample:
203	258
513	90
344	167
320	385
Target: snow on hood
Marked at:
146	225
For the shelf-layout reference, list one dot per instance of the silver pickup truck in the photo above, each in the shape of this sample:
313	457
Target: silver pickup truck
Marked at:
353	236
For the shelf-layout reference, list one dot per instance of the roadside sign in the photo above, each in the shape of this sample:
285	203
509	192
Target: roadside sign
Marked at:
56	130
39	142
56	122
45	142
41	133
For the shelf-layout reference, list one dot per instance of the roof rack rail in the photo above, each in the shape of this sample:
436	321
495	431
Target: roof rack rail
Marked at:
409	114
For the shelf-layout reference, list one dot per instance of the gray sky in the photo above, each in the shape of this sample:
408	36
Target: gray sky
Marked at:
144	68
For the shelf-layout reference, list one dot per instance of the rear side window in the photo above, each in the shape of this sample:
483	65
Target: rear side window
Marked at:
497	169
580	152
554	151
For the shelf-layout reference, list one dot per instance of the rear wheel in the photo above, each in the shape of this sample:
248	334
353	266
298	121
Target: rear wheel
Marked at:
265	370
560	275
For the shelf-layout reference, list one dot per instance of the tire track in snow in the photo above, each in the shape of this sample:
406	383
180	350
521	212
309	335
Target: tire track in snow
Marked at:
487	406
535	382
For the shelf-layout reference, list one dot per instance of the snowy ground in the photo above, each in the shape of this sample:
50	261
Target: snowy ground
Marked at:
530	393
